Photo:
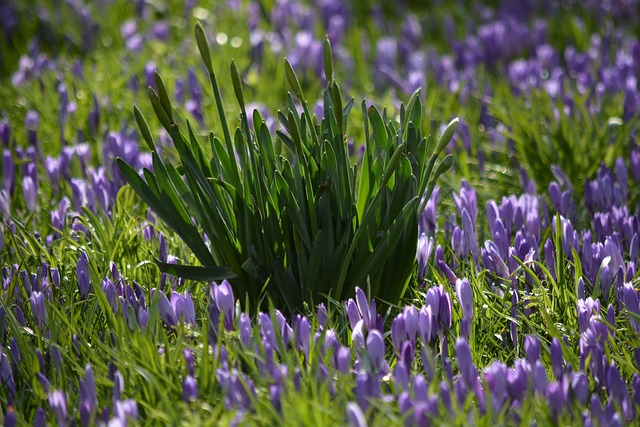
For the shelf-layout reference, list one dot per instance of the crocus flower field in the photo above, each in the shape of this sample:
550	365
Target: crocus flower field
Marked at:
286	212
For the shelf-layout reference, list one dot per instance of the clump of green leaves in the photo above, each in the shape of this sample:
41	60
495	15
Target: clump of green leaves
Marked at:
303	222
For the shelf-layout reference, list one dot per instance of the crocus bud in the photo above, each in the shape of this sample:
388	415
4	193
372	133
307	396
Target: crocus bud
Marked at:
82	274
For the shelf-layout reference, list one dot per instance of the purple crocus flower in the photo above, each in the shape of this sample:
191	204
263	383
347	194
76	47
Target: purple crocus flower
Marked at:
496	259
580	387
495	376
38	309
31	123
355	416
634	160
342	359
8	171
442	265
367	311
82	274
465	296
126	409
557	393
30	191
468	370
426	325
88	397
40	419
224	300
428	220
532	349
556	358
58	404
189	389
322	315
6	374
5	204
376	350
166	310
630	297
357	336
425	248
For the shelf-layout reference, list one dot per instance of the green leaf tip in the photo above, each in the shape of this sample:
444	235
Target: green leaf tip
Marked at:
447	135
293	79
327	59
144	128
156	103
237	84
163	95
203	47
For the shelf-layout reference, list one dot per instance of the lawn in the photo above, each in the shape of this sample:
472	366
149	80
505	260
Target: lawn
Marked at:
285	212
